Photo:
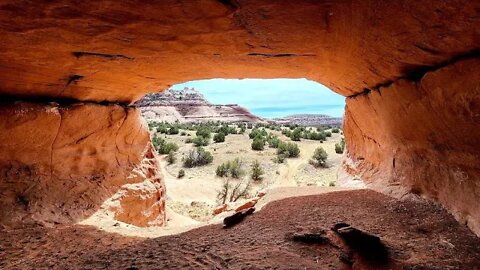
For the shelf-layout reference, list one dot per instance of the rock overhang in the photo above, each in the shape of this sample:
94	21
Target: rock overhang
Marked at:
118	51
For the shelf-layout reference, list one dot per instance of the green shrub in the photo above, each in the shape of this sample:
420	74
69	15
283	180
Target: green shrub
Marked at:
335	130
258	144
289	150
296	135
222	170
328	134
162	130
340	147
181	173
318	136
219	137
173	130
232	168
171	157
257	171
273	142
200	141
280	158
183	133
197	157
236	170
163	147
331	184
319	158
204	132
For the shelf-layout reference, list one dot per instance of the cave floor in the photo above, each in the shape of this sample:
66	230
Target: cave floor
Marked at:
418	234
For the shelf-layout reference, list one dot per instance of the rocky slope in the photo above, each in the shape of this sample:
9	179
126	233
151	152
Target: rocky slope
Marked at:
310	120
189	105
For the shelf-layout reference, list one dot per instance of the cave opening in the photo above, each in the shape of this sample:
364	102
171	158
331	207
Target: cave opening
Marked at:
227	119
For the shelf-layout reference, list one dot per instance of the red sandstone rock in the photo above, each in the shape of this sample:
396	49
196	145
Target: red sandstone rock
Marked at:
421	137
119	50
249	204
222	208
60	163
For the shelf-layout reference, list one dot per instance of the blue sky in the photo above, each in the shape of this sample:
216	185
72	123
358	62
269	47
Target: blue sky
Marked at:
271	97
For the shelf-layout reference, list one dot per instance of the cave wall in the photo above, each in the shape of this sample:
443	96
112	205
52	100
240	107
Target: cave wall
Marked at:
59	163
421	137
406	130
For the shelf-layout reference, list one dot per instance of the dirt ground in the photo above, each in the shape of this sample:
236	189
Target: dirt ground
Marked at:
195	194
419	235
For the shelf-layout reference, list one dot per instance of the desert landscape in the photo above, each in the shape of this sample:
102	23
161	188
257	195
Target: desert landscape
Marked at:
95	176
200	185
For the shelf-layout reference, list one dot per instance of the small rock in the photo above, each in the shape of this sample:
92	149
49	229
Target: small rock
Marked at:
222	208
310	238
237	217
246	205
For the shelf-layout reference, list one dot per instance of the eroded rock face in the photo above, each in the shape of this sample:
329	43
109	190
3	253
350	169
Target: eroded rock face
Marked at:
421	137
119	50
59	163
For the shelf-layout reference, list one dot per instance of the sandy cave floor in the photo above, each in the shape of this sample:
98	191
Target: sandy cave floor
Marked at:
419	235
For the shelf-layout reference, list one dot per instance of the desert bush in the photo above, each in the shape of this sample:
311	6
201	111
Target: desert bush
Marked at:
197	157
181	173
163	147
219	137
289	150
273	142
257	171
279	158
200	141
287	132
222	170
171	157
162	129
232	168
296	134
204	132
173	130
258	144
183	133
331	184
317	136
335	130
340	147
319	158
328	134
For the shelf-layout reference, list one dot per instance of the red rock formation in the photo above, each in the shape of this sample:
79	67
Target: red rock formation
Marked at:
59	163
119	50
421	137
409	133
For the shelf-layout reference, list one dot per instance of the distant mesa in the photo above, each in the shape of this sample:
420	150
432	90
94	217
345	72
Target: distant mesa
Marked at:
310	120
189	105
